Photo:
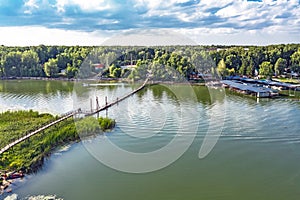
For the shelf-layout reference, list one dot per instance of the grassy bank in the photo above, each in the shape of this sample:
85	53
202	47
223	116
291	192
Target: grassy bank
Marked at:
287	80
29	155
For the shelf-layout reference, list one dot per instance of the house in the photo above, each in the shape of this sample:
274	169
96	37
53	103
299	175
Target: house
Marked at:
99	66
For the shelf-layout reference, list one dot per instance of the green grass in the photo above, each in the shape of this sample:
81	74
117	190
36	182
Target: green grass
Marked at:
16	124
287	80
29	155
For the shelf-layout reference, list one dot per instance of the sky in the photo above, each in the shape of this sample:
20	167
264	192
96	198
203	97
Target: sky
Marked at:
149	22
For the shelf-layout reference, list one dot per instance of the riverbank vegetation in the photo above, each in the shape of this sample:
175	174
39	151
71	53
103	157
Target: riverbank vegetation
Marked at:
170	62
29	155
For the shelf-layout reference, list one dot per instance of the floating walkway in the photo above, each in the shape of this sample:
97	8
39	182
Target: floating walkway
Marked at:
69	115
106	106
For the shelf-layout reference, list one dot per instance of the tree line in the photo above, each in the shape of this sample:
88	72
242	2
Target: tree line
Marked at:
168	62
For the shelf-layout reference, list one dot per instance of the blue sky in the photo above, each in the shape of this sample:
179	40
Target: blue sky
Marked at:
92	22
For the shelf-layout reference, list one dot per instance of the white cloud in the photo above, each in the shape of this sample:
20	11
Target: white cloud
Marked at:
85	5
30	5
241	21
107	21
213	4
160	8
230	36
10	36
149	37
23	36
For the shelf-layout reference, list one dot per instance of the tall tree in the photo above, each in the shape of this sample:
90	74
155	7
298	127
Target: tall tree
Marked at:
266	69
12	64
30	64
50	67
280	65
221	68
295	61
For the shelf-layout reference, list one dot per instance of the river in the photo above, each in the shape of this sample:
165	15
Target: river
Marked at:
253	153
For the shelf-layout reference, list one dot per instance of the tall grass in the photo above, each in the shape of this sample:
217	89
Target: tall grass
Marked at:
29	155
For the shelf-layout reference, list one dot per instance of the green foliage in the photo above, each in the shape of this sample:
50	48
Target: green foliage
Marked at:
266	69
106	123
166	63
280	66
221	68
29	154
87	125
295	61
51	68
71	71
23	122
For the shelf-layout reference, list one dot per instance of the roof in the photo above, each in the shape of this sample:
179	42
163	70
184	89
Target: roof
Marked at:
247	87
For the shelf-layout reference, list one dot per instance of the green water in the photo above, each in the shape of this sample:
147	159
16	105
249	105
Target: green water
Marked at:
257	155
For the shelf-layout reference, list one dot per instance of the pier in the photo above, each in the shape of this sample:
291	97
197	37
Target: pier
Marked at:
69	115
250	89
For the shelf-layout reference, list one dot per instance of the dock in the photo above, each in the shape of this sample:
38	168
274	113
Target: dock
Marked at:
250	89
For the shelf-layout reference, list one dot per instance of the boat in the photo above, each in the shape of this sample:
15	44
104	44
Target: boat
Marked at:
15	175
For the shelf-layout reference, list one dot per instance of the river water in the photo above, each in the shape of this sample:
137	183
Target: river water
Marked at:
253	147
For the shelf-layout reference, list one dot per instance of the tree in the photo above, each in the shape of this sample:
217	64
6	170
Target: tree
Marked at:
202	61
30	64
42	50
295	61
63	60
232	61
117	72
50	67
250	69
12	64
221	68
280	65
71	71
266	69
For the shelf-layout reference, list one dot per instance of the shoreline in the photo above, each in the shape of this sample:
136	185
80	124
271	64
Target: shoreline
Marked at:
54	138
205	83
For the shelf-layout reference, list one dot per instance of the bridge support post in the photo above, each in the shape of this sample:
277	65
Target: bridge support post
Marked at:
91	104
97	103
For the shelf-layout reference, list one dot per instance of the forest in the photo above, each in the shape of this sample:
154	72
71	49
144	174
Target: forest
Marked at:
168	62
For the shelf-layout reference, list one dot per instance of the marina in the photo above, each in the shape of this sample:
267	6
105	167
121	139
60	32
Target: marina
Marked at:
250	89
258	88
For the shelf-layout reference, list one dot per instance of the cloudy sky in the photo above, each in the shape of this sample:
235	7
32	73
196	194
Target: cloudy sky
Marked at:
92	22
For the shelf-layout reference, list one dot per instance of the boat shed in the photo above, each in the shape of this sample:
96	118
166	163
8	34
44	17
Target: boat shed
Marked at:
249	88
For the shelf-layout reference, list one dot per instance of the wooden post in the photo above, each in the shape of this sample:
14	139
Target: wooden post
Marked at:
106	105
97	104
91	104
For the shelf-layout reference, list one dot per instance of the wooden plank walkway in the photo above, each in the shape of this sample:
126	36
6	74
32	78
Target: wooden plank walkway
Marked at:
116	101
7	147
69	115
